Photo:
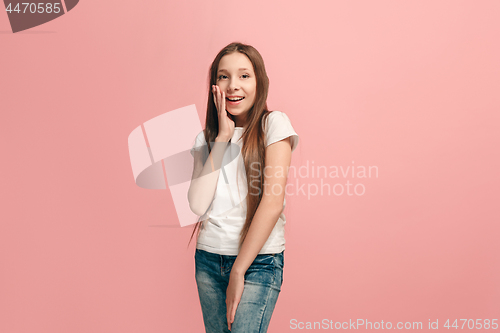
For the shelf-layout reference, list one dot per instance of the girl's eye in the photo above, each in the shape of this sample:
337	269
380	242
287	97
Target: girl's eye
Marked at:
244	75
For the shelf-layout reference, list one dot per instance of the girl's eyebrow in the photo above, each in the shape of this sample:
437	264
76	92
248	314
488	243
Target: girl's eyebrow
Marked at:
241	69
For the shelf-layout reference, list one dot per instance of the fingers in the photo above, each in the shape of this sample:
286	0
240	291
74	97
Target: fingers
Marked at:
230	313
228	316
219	97
233	312
223	101
213	93
216	98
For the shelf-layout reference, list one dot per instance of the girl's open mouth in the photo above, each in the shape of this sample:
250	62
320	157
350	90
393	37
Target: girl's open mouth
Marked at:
236	102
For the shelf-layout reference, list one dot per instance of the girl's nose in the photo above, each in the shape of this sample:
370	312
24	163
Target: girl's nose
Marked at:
233	86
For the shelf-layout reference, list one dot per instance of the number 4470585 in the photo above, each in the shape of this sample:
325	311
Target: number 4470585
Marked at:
486	324
34	8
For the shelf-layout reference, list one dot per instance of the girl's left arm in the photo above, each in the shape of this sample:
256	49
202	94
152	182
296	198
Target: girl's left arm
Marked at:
278	158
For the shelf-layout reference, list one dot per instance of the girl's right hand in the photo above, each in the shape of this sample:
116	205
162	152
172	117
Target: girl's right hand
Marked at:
226	124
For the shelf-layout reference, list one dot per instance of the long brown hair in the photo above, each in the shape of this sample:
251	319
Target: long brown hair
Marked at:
253	137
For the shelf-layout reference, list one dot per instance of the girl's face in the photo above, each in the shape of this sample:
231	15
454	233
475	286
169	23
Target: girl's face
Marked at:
235	76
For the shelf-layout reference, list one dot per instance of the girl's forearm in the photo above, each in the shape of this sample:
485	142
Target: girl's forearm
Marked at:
203	185
263	222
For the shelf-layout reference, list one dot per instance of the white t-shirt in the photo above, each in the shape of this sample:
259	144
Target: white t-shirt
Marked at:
223	222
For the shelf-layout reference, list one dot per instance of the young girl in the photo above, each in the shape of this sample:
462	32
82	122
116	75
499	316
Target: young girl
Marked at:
241	163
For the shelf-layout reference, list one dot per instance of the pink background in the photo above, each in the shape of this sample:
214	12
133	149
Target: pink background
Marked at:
408	86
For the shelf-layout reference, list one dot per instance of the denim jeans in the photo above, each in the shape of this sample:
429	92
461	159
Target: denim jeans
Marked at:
263	281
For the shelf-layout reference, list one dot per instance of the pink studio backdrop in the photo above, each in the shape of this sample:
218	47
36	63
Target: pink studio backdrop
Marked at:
410	87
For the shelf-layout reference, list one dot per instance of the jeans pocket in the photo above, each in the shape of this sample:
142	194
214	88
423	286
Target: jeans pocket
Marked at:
280	264
262	270
280	259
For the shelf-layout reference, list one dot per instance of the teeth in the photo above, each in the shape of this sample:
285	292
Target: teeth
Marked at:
235	98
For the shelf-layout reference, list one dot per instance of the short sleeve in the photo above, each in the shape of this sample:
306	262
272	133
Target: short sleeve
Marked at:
199	143
279	127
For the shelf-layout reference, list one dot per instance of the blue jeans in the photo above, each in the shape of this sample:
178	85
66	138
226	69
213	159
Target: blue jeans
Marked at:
263	281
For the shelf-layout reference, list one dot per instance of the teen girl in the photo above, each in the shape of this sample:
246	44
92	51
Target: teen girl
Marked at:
238	190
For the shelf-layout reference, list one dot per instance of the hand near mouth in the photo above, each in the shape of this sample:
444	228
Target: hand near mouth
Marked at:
226	124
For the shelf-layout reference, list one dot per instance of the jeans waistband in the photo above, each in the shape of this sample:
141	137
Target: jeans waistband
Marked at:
216	256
